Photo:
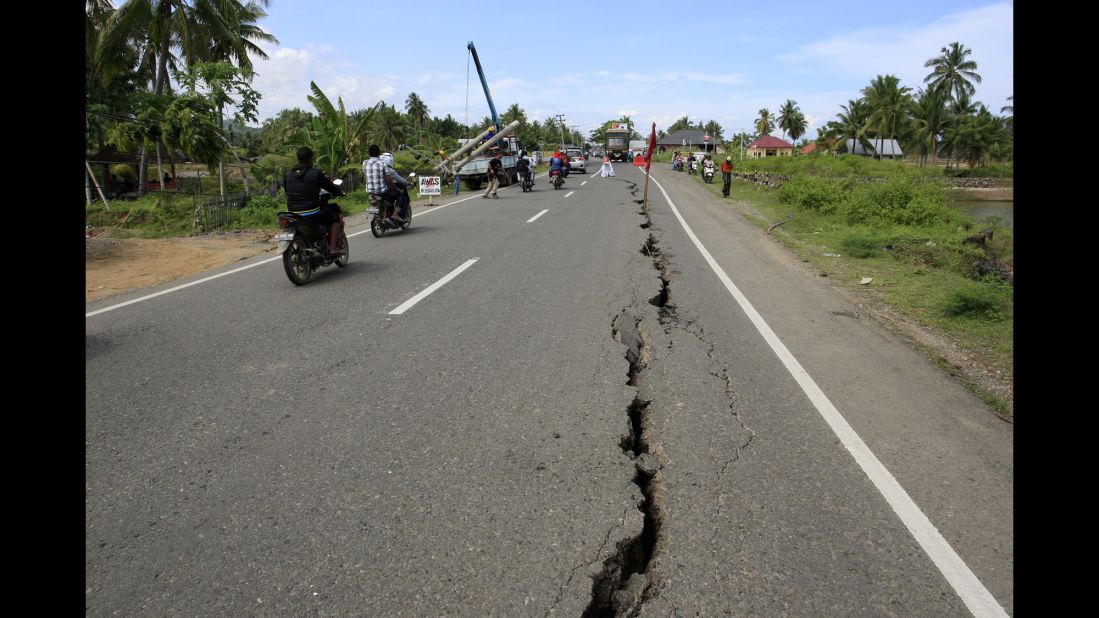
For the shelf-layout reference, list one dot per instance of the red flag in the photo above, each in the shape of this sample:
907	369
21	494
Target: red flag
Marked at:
652	147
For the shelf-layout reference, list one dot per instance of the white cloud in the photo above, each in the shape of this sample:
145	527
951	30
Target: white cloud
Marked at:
864	54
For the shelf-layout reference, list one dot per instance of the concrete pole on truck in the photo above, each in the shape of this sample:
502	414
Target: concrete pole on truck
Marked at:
499	136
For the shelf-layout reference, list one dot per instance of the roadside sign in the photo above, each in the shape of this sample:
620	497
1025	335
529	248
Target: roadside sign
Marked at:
430	185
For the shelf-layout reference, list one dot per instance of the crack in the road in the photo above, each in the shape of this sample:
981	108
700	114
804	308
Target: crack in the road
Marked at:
572	574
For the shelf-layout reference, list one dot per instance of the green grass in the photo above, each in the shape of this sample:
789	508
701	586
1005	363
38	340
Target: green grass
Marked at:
923	271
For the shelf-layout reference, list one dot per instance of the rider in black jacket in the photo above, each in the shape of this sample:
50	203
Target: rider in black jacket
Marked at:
303	186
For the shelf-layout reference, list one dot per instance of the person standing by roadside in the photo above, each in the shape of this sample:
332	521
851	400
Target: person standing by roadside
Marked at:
607	169
495	168
727	175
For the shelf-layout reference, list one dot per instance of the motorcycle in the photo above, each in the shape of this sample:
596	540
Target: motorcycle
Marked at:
381	210
527	182
692	167
708	174
304	243
556	180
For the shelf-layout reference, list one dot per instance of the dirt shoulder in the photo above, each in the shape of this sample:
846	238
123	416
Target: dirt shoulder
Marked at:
117	265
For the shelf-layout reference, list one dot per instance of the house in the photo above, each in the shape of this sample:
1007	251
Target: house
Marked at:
889	148
769	146
686	139
810	149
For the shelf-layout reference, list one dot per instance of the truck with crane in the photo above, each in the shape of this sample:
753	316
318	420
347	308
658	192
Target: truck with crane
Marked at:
473	170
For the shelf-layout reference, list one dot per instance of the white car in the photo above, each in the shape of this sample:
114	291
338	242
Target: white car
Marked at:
576	160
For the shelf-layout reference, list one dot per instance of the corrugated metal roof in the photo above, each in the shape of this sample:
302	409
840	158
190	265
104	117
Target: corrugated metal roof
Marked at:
889	147
676	138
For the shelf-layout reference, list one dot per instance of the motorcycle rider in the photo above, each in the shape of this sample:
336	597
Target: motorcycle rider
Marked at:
375	172
565	165
708	168
691	163
555	164
524	166
303	186
393	179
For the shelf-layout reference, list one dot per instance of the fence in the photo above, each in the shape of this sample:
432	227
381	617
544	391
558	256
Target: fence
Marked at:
218	211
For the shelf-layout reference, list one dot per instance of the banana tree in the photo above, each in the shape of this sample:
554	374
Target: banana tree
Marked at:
334	135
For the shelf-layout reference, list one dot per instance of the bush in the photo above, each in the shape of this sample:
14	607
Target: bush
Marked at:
977	301
861	246
123	170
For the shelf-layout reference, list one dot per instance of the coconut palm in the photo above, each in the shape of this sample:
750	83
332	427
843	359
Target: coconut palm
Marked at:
387	128
513	113
764	124
930	117
952	72
889	104
850	122
797	126
199	30
417	111
786	115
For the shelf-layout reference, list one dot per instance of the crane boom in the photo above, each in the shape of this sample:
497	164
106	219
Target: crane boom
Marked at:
484	84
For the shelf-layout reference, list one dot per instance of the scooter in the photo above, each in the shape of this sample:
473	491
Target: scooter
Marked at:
692	167
381	210
527	182
304	244
708	174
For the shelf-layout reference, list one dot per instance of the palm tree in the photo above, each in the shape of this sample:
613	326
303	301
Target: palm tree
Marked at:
513	113
200	30
764	123
890	106
797	126
952	72
387	129
335	135
931	118
417	111
851	121
786	115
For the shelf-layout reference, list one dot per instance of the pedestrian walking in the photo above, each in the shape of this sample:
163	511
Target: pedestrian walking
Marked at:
494	169
727	175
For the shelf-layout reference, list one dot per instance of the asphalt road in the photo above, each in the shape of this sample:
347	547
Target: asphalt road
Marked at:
584	420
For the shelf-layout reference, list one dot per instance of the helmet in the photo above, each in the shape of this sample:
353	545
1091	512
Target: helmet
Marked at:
728	158
386	158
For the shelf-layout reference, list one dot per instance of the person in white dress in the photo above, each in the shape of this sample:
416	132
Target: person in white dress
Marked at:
607	169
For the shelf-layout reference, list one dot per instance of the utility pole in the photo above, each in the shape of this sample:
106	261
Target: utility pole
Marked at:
561	121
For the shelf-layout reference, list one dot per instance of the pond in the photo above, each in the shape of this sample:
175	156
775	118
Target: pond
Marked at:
983	209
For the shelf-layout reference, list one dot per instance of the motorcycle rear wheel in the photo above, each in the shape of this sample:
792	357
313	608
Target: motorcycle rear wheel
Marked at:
296	262
342	260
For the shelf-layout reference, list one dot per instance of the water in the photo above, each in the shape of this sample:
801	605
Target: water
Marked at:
981	209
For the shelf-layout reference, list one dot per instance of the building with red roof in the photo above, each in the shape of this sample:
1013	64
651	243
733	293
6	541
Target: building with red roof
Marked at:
810	149
769	146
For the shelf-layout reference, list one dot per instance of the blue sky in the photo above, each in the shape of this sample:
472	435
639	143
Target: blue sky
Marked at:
594	61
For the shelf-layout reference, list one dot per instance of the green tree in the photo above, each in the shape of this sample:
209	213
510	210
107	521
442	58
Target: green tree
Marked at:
287	130
387	127
797	126
952	72
417	111
335	136
513	113
930	116
764	124
786	115
225	85
889	105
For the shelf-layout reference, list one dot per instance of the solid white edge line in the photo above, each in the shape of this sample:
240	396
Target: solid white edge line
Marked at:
406	305
212	277
969	588
569	193
583	183
531	220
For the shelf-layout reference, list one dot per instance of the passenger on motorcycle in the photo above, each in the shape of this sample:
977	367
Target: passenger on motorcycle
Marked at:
303	186
524	166
565	165
382	182
555	164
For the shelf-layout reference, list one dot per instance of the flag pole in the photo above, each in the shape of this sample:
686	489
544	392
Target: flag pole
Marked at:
648	164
